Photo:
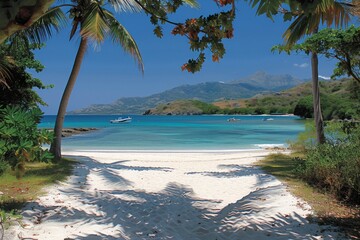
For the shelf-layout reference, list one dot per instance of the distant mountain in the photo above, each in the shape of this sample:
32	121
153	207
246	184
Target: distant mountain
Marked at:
206	92
271	82
339	99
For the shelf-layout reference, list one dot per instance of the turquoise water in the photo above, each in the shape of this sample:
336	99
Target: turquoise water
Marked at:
179	132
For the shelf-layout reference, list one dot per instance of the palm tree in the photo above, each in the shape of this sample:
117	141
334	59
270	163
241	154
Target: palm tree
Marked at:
93	22
308	14
52	20
326	11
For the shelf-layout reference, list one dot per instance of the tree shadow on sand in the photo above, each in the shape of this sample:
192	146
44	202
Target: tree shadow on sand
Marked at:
173	213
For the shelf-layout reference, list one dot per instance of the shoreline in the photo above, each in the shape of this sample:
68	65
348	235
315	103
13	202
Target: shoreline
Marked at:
162	195
240	150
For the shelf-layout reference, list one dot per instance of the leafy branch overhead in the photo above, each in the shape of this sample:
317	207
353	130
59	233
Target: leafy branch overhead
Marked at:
208	32
203	32
342	45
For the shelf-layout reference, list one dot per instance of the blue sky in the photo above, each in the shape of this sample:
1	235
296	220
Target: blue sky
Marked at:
108	73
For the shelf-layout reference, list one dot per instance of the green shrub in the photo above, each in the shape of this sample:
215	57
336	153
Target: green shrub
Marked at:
304	108
20	140
3	167
335	166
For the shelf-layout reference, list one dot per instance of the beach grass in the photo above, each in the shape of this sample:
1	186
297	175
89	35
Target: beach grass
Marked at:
16	192
327	209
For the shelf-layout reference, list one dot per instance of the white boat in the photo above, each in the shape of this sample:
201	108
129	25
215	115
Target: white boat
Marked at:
121	120
268	119
233	119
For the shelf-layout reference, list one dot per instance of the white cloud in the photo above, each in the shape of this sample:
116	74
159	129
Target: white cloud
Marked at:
301	65
323	77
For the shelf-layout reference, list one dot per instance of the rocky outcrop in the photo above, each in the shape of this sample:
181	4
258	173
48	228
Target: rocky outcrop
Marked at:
67	132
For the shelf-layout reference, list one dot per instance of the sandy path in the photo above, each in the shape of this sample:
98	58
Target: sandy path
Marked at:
159	195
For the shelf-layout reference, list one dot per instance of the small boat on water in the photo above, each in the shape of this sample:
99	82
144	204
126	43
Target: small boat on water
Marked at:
268	119
121	120
233	119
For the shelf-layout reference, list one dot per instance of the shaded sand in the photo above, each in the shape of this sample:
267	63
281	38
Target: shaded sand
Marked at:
162	195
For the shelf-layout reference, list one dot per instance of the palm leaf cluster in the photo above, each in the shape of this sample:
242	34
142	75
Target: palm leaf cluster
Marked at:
5	71
327	12
52	21
93	21
306	15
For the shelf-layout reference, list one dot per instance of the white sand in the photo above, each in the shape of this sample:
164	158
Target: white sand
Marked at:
162	195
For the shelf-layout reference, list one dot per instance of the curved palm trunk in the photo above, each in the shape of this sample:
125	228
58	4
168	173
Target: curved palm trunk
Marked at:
56	144
319	123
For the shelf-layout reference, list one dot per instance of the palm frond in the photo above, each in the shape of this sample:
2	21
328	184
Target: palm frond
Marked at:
297	29
337	13
5	71
192	3
328	12
94	24
120	35
75	25
125	5
53	20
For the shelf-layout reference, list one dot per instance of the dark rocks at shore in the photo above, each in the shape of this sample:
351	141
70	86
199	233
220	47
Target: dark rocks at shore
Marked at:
67	132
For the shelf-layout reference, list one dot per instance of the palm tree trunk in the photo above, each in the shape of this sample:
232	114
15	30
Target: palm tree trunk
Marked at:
319	123
55	148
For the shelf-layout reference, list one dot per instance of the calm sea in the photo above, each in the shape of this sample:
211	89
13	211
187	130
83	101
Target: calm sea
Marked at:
179	132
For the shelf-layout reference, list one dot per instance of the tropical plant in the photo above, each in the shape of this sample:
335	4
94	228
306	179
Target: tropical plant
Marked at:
342	45
16	49
335	165
20	140
18	82
304	108
93	22
306	17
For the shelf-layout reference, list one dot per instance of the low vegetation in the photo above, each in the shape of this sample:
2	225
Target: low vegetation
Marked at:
20	140
327	176
14	192
25	166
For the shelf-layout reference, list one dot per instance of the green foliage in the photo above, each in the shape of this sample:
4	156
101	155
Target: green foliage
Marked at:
3	167
335	165
20	140
305	139
206	107
204	33
340	44
19	83
304	108
306	15
339	100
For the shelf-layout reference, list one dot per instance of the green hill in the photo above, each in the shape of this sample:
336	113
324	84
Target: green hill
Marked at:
339	100
205	92
183	107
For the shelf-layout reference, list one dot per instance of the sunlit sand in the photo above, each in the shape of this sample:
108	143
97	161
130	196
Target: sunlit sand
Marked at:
168	195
